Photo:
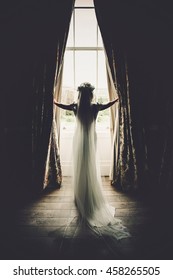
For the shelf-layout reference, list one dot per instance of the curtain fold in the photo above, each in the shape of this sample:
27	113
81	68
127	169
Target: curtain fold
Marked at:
53	172
114	123
166	170
52	31
112	20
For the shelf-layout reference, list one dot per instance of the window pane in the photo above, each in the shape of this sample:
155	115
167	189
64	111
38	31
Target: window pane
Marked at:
100	41
84	3
85	62
102	78
70	41
68	71
85	28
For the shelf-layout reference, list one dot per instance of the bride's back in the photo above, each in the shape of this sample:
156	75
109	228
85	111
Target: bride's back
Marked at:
85	109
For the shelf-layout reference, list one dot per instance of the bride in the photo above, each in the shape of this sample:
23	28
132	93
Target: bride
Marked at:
92	206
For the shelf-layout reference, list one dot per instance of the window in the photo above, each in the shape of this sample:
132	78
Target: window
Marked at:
84	61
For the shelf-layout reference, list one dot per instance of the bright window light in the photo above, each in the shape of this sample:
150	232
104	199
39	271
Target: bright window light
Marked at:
84	59
85	28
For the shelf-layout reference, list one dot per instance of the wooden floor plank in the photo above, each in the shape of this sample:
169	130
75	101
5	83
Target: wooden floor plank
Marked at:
46	228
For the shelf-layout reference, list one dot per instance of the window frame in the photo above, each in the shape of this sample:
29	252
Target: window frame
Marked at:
75	48
96	49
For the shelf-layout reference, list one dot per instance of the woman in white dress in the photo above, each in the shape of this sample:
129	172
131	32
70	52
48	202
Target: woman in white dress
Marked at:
93	209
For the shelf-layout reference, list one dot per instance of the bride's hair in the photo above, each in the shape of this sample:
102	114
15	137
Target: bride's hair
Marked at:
86	91
84	99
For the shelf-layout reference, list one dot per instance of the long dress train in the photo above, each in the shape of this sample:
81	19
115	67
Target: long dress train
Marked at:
92	206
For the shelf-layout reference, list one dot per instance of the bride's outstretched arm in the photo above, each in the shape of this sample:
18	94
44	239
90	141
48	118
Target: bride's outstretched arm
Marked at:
107	105
69	107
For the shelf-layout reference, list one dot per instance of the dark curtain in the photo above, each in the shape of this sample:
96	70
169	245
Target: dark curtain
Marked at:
166	170
137	42
33	37
55	20
125	174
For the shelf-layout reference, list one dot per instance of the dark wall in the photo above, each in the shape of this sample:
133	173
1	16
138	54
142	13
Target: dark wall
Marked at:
16	53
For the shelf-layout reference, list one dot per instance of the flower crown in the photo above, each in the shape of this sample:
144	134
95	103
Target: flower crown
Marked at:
85	86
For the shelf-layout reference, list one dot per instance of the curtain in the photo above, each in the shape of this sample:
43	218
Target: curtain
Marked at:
52	25
33	35
53	172
112	19
166	170
114	123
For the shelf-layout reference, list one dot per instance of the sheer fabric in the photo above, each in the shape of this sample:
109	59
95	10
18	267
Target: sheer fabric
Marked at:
94	211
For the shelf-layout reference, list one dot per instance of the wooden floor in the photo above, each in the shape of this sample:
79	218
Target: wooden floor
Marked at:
44	229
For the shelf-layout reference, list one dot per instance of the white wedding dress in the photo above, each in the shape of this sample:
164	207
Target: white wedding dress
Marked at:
92	206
